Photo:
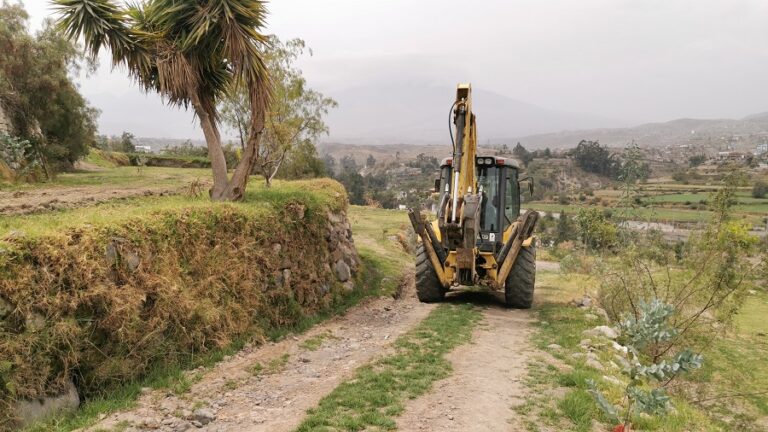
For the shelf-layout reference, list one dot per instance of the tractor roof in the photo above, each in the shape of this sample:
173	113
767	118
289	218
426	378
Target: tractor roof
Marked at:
497	161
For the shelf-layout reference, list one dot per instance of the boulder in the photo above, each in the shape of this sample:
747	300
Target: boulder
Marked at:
603	331
30	411
343	272
204	416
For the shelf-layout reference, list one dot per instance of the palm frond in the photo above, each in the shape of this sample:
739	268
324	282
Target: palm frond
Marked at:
101	24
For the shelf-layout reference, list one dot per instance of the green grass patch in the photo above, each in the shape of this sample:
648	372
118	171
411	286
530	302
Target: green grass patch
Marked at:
316	194
377	392
119	177
373	230
563	324
315	342
273	366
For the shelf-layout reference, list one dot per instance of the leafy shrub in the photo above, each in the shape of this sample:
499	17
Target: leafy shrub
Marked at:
703	279
595	229
19	156
760	189
648	329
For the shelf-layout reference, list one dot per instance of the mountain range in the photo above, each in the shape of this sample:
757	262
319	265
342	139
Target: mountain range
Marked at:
419	115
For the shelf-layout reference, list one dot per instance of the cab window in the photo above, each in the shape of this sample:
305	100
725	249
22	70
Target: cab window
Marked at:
512	198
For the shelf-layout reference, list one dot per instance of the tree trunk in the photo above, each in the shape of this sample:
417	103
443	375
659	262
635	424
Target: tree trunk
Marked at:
236	186
225	188
215	150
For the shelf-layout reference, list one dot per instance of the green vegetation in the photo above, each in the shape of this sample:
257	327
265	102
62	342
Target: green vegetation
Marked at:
315	342
712	281
273	366
191	60
316	193
40	98
157	253
294	120
563	324
171	374
381	236
375	395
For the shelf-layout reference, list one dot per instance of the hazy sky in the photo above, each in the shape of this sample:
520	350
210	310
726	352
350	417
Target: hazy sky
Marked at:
636	60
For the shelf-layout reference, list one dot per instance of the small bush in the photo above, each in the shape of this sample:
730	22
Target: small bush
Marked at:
760	189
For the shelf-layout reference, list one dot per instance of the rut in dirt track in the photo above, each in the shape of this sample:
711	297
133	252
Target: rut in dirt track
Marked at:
487	378
485	384
278	401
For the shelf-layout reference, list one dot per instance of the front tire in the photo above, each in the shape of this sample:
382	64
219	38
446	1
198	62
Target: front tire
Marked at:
428	287
518	288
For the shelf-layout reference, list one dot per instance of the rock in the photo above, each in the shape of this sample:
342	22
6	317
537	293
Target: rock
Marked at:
450	417
349	286
554	347
196	424
621	361
30	411
343	272
594	364
150	423
276	248
34	322
603	331
132	261
586	301
110	253
613	380
287	278
585	343
601	312
577	355
182	426
204	416
619	347
335	218
590	317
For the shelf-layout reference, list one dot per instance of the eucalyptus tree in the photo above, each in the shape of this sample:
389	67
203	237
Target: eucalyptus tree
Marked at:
194	54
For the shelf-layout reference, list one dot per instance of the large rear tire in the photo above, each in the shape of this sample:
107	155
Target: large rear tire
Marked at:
518	288
428	287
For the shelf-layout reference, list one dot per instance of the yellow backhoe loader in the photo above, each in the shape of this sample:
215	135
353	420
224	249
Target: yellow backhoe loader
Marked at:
479	237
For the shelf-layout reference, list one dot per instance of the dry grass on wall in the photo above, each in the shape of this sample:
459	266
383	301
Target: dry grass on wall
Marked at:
102	305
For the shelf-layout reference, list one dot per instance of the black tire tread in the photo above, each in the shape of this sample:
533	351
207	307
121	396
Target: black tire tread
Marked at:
518	289
428	287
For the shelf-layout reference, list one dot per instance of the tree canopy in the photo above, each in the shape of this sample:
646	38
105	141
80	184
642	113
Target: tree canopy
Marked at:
193	53
294	120
37	91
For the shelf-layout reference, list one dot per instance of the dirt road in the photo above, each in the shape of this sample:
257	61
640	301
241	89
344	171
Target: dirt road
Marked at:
294	374
57	198
487	378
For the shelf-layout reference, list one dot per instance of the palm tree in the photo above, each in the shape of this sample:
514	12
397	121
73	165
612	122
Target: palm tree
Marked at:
193	53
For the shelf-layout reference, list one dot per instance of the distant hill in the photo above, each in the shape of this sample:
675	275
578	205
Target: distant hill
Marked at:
418	114
711	133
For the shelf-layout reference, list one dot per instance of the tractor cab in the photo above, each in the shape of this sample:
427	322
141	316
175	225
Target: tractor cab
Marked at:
498	182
